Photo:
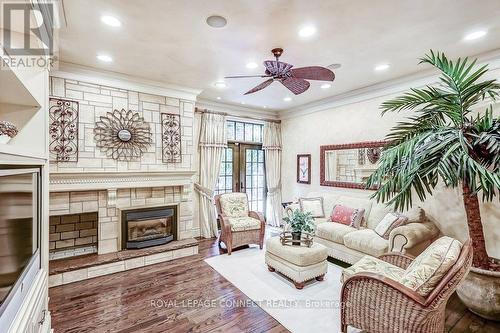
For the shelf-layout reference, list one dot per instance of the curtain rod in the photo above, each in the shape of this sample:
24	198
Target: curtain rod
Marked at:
198	110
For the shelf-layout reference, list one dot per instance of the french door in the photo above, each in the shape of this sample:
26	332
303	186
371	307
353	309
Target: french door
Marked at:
242	170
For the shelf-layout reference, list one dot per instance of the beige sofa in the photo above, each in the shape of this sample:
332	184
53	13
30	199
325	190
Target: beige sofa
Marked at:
349	244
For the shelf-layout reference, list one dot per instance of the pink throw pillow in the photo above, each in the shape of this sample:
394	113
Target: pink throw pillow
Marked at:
347	215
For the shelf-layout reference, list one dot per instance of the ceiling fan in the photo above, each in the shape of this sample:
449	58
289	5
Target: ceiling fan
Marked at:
292	78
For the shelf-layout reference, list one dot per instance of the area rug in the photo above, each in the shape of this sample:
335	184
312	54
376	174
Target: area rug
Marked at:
312	309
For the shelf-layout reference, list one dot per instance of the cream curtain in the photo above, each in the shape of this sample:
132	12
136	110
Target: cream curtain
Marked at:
272	147
212	144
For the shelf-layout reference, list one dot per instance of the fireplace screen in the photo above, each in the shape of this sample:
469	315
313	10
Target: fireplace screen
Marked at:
148	227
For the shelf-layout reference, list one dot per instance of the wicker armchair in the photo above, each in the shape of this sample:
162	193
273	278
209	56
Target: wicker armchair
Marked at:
378	304
239	226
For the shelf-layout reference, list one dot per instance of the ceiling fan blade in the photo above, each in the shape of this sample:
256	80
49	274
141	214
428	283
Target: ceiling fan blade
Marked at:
245	76
295	85
277	67
313	73
260	86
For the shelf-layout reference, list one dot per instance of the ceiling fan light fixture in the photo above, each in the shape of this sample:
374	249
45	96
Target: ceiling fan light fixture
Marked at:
216	21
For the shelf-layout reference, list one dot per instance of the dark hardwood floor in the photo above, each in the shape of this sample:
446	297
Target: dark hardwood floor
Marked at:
177	296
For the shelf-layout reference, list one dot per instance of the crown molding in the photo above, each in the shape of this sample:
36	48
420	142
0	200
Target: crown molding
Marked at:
236	110
385	88
76	72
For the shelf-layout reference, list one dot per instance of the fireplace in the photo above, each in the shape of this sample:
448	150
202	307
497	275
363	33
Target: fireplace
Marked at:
148	227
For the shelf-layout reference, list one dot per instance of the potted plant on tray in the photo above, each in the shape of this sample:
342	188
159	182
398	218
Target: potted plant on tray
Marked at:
449	139
299	221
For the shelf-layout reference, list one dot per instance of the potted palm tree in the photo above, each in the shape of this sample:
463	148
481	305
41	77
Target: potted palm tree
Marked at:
447	139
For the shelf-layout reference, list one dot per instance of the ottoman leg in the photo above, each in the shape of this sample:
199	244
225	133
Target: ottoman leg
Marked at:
298	285
270	268
320	278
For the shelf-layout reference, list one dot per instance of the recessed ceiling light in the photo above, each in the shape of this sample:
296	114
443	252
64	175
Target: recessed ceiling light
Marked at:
111	21
216	21
287	99
265	107
104	58
242	102
307	31
252	65
220	84
382	67
218	97
475	35
325	85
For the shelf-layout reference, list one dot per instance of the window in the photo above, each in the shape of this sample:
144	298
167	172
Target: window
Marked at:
243	132
225	181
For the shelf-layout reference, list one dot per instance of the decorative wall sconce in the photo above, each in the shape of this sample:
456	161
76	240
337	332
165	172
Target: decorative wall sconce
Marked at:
171	138
63	130
122	135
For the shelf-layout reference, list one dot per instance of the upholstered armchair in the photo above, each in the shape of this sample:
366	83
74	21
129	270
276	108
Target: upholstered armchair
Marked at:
398	293
239	226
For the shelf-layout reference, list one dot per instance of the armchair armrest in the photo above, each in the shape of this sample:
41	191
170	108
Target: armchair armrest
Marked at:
356	288
409	235
259	216
397	259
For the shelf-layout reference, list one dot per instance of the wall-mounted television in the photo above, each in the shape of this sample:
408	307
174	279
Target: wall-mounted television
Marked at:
19	237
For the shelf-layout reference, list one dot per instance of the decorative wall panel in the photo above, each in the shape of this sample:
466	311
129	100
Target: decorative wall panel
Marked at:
171	138
63	130
122	135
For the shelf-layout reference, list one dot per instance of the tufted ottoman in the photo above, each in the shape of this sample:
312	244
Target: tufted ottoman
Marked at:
299	263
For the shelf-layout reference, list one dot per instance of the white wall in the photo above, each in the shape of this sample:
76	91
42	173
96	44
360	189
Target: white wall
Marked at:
361	121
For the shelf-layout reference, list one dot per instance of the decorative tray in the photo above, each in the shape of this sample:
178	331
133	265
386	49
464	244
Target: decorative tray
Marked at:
306	239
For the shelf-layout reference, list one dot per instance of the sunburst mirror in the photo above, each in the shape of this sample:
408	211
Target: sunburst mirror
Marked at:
122	135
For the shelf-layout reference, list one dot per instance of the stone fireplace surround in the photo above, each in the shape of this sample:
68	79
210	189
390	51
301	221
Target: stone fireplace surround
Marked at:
109	193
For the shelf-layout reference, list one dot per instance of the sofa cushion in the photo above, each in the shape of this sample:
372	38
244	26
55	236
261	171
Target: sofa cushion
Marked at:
427	270
312	205
347	215
389	223
366	241
298	255
359	203
243	223
370	264
234	204
329	199
333	231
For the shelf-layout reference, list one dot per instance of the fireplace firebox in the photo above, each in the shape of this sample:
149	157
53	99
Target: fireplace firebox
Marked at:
148	227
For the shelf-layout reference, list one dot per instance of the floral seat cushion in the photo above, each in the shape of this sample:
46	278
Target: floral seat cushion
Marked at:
369	264
243	223
427	270
234	204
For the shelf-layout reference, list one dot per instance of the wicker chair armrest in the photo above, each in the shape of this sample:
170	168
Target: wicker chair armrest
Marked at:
223	221
397	259
357	287
257	215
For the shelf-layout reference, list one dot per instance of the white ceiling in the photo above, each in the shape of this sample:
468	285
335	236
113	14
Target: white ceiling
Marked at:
169	40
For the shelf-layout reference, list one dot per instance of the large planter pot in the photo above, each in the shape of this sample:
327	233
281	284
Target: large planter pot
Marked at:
480	292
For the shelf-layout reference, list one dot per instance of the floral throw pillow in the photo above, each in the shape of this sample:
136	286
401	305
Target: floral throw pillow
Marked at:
347	215
313	205
389	223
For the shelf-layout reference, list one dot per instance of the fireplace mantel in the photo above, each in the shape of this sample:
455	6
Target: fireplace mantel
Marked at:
62	182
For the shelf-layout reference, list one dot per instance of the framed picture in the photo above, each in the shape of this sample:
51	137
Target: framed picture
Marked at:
304	168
